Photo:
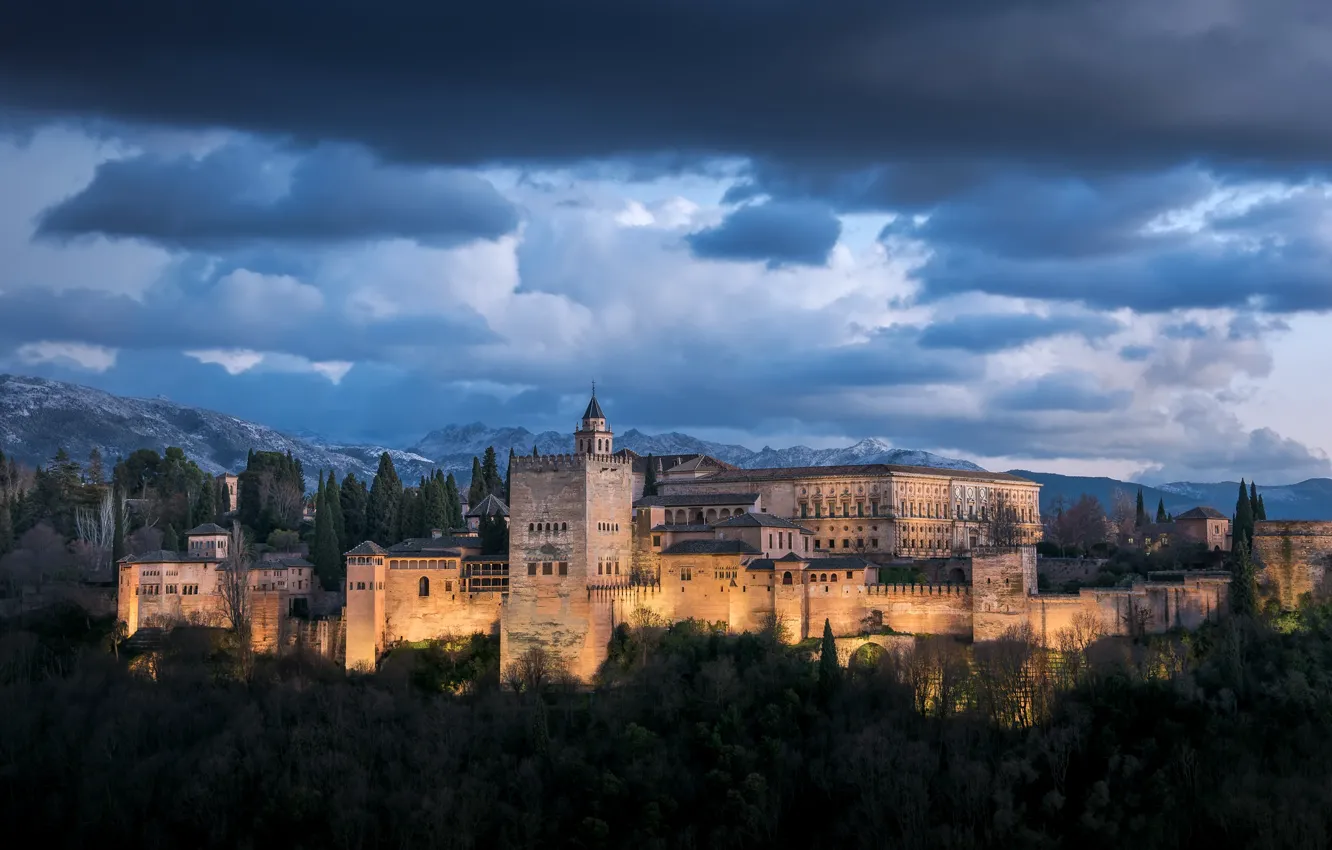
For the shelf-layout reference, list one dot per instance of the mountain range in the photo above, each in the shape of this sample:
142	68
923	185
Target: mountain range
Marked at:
39	416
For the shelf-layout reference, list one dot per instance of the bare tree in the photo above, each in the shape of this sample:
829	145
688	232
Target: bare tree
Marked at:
234	585
1123	513
96	528
1002	527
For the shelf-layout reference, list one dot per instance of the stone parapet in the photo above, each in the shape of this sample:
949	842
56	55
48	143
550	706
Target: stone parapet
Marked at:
1294	555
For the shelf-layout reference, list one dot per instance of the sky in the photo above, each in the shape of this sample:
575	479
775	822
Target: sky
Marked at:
1079	236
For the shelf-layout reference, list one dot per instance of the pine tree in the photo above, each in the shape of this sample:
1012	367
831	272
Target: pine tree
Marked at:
1261	512
829	671
325	553
1253	498
535	453
1243	522
170	542
1140	517
650	477
1161	515
1243	582
382	512
476	491
452	504
118	538
96	472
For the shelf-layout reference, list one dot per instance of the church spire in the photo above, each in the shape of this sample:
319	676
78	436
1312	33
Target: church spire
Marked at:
593	435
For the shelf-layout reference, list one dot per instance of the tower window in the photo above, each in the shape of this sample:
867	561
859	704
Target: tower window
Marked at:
531	568
564	568
423	587
546	568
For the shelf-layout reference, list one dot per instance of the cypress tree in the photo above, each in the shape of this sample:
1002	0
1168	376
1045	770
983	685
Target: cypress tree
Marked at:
170	542
352	495
508	475
535	453
1140	516
118	537
650	478
1161	515
205	506
1243	522
829	671
326	554
476	491
333	494
490	470
453	504
383	508
1253	497
1261	512
1243	582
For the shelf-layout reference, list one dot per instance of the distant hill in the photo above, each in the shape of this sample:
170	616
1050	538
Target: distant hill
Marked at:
1311	499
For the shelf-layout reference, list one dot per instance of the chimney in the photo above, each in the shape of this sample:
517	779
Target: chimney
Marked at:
435	534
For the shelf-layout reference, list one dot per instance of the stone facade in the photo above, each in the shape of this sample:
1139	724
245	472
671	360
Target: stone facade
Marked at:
1294	555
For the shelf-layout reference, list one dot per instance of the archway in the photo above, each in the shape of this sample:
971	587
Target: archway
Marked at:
786	577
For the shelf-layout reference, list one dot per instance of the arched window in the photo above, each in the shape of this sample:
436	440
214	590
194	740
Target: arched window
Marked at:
823	576
834	577
564	526
531	526
786	577
423	587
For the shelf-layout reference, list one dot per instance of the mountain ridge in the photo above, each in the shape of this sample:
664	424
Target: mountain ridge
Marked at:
39	416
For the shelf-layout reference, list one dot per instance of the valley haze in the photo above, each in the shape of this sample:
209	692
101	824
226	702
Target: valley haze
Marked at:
40	416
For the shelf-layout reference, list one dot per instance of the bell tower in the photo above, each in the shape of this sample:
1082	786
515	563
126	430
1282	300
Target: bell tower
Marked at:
593	436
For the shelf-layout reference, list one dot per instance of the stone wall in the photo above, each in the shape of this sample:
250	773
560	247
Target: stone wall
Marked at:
1058	571
1293	555
410	616
1002	580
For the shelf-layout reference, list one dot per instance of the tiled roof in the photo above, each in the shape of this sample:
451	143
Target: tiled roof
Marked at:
433	545
710	547
695	528
207	528
491	505
840	562
283	562
1203	512
369	547
593	409
757	521
166	556
665	463
686	500
858	470
786	561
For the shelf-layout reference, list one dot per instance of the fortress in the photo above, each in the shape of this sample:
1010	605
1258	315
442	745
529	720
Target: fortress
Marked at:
748	548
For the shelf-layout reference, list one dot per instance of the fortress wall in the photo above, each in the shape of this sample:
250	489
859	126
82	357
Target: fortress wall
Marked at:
445	611
268	617
916	609
1002	582
1293	555
1060	570
753	606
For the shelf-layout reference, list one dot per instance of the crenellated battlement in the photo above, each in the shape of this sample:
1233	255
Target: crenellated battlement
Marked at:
566	462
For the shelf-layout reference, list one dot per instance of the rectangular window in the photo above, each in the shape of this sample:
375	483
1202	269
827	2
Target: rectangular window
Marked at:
816	544
846	544
546	568
874	508
874	543
656	540
686	574
769	539
848	573
804	510
860	508
531	568
564	568
860	544
360	585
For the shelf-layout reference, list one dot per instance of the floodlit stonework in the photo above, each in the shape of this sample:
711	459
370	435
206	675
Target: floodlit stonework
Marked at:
1294	555
747	548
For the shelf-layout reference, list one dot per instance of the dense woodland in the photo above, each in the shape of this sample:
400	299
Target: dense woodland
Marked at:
691	738
71	520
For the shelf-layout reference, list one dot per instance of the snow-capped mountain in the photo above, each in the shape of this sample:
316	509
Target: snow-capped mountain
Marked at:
38	417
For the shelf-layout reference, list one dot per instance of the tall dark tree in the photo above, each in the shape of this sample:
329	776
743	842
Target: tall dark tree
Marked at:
490	469
118	536
95	471
1243	523
1243	582
170	540
535	453
411	516
1161	515
354	502
1253	497
383	509
205	505
1140	516
650	477
453	504
829	670
476	491
325	553
334	496
1260	512
494	534
508	475
435	503
6	508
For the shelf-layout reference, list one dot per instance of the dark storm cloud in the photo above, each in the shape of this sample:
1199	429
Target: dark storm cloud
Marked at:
990	332
229	198
777	233
854	83
163	323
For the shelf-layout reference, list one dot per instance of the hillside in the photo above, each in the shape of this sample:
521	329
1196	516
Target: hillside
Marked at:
1311	499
